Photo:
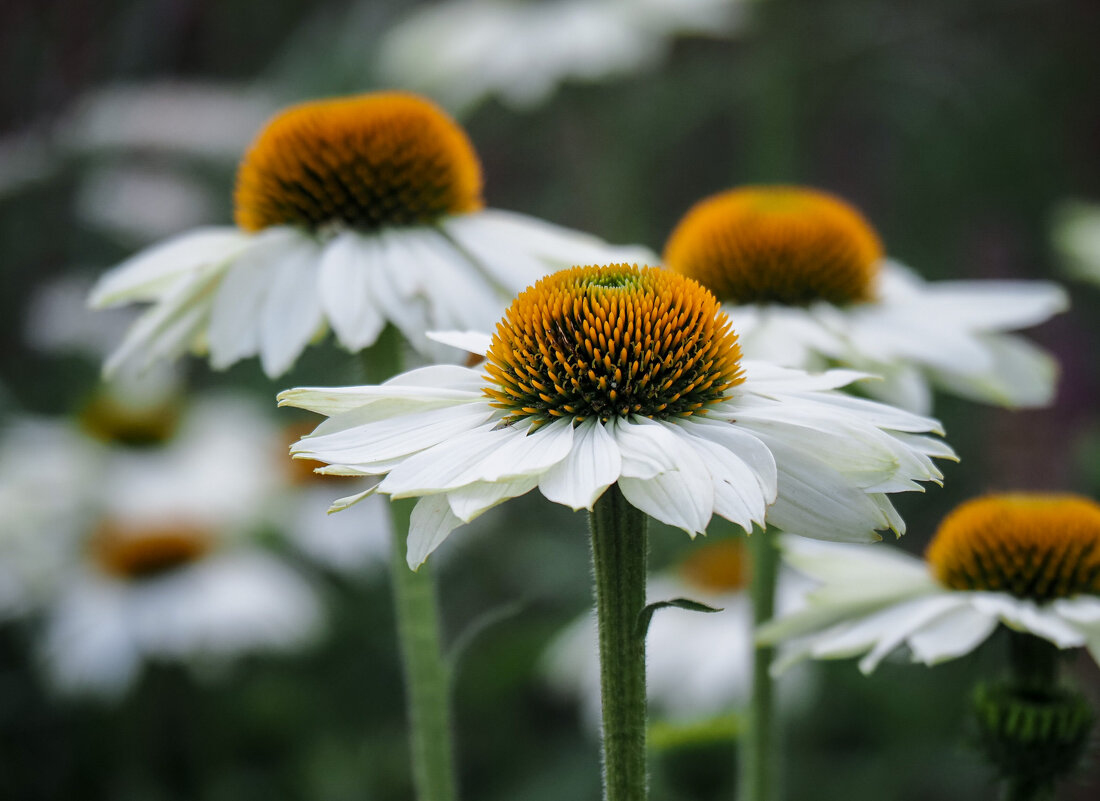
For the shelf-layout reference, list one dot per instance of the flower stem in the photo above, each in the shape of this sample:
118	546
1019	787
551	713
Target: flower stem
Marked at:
619	561
757	765
427	680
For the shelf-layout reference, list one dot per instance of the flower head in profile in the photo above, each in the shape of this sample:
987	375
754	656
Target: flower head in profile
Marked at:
688	677
351	213
1029	561
804	278
628	376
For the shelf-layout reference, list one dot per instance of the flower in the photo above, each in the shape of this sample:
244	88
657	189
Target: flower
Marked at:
521	51
697	665
351	213
1029	561
807	285
131	543
629	376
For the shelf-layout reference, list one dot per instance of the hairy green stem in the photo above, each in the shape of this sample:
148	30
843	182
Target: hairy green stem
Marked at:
619	562
427	678
757	765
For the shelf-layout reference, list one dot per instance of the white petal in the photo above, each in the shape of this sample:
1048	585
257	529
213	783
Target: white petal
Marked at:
345	288
903	386
1026	616
744	445
431	522
237	311
292	311
469	341
432	386
1021	375
996	305
920	613
957	633
151	272
593	464
473	499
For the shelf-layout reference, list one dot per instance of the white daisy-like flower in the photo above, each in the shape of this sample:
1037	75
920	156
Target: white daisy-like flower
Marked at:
697	665
805	281
137	551
351	213
521	52
1076	236
629	376
1028	561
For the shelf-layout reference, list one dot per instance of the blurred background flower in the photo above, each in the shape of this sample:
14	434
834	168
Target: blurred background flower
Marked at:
958	127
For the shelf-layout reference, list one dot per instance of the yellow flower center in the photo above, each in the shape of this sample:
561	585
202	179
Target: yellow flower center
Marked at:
105	417
717	567
133	553
776	244
364	162
1033	546
612	341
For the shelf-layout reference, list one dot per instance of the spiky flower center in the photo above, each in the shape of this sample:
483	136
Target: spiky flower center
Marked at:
136	553
363	162
1040	547
717	567
776	244
612	341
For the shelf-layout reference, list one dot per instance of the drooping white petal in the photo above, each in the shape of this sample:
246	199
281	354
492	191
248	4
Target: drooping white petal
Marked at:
473	499
922	612
149	274
237	312
429	525
344	283
292	315
996	305
1024	615
956	633
592	465
1020	376
426	386
470	341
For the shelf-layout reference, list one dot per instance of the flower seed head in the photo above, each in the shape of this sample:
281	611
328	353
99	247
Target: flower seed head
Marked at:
612	341
131	553
777	244
1035	546
362	162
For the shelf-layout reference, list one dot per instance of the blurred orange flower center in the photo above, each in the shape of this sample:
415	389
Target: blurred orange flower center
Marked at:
108	419
776	244
133	553
612	341
717	567
1033	546
363	162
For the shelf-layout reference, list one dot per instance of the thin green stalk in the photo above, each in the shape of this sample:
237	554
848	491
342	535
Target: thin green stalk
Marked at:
427	679
619	563
757	765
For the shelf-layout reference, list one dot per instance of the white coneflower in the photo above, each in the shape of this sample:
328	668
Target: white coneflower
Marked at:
1028	561
351	213
806	283
633	377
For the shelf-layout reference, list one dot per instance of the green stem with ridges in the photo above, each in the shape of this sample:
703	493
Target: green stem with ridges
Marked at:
759	749
619	563
427	678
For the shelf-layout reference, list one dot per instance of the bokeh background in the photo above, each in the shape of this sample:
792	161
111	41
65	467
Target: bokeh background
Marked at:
957	126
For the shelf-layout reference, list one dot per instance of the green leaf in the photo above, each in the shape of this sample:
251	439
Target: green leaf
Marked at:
646	615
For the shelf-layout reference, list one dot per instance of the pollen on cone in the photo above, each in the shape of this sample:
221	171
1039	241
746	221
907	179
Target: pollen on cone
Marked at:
777	244
1033	546
612	341
364	162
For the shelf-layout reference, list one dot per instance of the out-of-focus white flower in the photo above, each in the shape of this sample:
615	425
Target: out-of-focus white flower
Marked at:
138	552
143	204
25	159
463	51
698	666
204	120
628	376
353	213
1076	235
1031	562
805	282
